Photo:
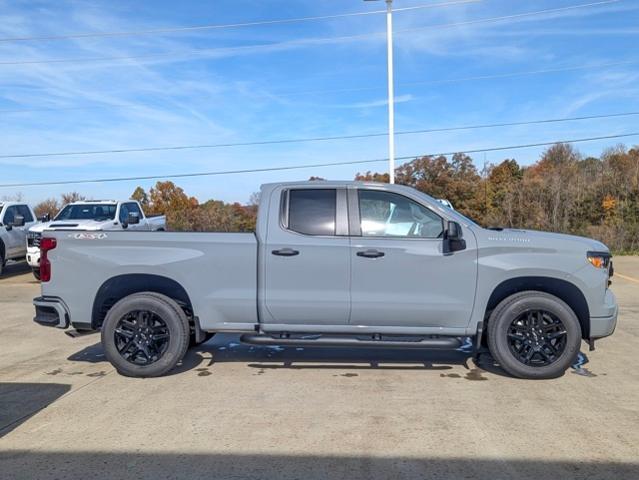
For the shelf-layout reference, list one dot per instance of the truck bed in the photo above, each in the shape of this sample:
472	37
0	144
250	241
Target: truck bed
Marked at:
218	270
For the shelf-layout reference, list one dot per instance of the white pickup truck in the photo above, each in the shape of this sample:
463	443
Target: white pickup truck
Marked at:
15	220
92	215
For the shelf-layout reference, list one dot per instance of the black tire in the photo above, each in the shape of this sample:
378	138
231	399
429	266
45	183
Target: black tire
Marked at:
36	273
165	312
525	335
192	342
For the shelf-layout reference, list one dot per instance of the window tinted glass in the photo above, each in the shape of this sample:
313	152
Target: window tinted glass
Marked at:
312	211
26	213
133	208
385	214
124	212
87	212
10	215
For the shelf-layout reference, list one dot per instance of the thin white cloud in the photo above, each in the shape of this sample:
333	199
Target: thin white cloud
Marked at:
379	103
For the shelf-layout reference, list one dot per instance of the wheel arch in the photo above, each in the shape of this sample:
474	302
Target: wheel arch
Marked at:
118	287
562	289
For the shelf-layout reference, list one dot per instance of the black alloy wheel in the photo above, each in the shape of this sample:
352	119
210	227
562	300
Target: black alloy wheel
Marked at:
537	338
141	337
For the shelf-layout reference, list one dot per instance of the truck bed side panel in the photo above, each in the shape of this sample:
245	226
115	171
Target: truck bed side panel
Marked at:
217	270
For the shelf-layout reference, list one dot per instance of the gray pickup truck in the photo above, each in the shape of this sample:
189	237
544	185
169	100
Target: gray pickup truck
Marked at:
333	264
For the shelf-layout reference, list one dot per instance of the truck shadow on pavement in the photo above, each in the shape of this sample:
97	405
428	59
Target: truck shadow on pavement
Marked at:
227	348
97	465
14	269
20	401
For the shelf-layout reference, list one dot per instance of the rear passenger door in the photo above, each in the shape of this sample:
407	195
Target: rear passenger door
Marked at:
306	258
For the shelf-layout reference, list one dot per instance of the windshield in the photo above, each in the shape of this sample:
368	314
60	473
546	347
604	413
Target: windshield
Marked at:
451	212
459	216
87	212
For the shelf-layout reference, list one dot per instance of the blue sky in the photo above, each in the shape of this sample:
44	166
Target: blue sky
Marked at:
297	80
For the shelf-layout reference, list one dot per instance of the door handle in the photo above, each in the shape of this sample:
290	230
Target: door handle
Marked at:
285	252
370	254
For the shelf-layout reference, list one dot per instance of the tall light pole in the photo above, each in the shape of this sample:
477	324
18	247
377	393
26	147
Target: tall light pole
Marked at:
391	90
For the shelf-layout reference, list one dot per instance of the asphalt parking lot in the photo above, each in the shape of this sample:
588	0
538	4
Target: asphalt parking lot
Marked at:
234	411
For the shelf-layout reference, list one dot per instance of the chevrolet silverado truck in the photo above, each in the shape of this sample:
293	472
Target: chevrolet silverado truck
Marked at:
92	215
15	220
334	264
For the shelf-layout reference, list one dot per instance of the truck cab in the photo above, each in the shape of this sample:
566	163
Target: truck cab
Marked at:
15	220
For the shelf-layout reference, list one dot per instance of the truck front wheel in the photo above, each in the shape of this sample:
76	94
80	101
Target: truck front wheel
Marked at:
534	335
145	335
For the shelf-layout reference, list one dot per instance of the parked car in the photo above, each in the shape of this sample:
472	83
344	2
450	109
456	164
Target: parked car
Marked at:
15	220
333	264
93	215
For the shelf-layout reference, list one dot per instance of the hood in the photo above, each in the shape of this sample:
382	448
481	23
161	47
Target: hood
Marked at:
70	225
537	238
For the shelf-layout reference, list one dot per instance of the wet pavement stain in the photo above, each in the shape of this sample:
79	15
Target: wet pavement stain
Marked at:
450	375
101	373
348	375
475	374
54	372
203	372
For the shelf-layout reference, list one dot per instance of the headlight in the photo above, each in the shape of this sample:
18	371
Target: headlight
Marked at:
599	259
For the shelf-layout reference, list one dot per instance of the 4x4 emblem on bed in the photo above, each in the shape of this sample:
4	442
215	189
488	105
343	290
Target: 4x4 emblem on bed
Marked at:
88	236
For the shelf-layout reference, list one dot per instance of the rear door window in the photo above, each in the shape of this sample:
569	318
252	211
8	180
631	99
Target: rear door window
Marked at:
312	211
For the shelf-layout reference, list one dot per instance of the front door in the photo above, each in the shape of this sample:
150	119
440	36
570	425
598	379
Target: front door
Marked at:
15	236
400	275
306	258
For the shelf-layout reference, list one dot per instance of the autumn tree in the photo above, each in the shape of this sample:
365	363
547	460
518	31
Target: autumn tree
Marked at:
214	216
373	177
141	196
49	207
72	197
164	198
12	198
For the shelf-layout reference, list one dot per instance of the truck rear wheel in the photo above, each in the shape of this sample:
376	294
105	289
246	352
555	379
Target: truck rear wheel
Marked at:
36	273
145	335
534	335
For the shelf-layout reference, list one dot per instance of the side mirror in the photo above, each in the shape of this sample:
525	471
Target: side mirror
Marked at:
45	218
18	221
453	238
133	219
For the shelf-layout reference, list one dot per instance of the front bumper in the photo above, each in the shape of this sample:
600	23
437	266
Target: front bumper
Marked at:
604	326
51	312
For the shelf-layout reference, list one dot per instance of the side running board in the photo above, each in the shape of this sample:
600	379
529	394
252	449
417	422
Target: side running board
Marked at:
376	341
